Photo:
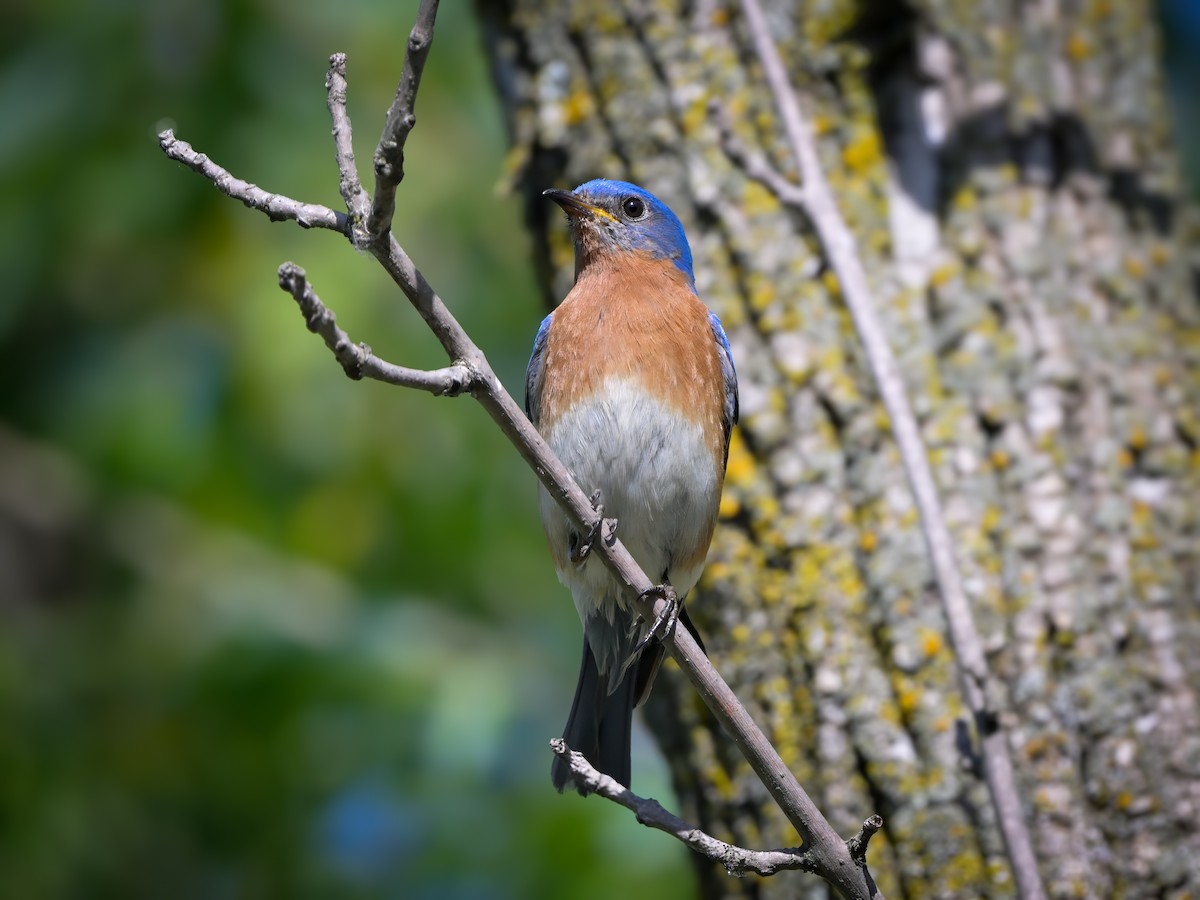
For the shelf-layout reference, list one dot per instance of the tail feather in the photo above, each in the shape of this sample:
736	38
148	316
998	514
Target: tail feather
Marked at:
600	724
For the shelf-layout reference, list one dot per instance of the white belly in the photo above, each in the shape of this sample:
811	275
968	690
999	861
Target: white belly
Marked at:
657	477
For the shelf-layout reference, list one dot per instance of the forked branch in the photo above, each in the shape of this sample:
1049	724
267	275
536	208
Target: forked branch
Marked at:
735	860
368	226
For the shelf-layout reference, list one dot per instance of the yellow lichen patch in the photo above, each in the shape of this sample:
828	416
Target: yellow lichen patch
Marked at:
846	578
879	241
578	107
1124	458
830	281
740	633
695	116
862	153
824	28
965	199
868	541
882	420
771	592
1135	267
1138	439
719	779
757	200
931	642
762	295
1124	800
740	468
943	274
779	688
807	574
991	518
909	698
1144	540
730	505
1000	459
1078	46
1039	746
1044	800
1159	255
766	509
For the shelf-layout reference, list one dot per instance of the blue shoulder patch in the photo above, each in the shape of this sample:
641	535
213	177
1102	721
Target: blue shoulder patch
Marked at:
729	374
533	373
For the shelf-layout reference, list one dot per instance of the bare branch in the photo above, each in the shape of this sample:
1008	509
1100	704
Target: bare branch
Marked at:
841	250
389	156
277	207
358	204
357	360
754	163
828	855
858	843
651	813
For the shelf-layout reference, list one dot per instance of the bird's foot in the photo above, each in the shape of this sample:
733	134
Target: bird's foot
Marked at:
664	622
602	530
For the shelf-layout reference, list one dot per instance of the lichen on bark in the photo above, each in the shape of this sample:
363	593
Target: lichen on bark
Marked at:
1008	173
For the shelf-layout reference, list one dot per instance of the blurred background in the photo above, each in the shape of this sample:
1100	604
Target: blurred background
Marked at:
264	631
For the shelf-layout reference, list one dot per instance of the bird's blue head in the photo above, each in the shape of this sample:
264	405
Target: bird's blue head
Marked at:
610	217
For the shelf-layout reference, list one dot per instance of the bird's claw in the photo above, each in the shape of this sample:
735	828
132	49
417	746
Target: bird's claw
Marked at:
602	529
664	622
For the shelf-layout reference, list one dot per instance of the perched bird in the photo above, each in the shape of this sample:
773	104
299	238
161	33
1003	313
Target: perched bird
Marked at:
632	384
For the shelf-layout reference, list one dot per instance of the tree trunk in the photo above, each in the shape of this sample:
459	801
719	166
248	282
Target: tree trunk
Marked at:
1008	173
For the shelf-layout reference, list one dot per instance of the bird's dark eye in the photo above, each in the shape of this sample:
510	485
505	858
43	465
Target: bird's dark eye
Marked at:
633	207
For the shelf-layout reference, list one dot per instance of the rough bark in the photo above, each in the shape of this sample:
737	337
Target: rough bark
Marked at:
1008	172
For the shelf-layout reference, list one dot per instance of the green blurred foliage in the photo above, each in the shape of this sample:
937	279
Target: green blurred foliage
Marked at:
264	631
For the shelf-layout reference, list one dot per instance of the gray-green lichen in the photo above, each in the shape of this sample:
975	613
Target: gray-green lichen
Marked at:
1007	172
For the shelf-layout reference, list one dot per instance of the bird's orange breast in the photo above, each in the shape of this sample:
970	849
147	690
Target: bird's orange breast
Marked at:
640	320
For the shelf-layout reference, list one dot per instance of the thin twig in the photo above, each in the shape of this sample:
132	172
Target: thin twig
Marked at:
736	860
818	203
357	360
358	204
830	856
389	155
858	843
277	207
753	162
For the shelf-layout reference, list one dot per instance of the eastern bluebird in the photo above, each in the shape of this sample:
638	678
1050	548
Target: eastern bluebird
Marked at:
632	384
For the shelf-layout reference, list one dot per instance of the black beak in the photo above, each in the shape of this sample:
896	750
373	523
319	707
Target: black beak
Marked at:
570	203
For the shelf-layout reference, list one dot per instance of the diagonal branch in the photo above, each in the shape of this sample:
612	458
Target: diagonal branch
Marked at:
829	856
817	201
277	207
389	155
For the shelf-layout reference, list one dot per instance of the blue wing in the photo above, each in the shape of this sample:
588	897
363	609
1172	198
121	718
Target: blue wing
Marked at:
533	374
729	374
